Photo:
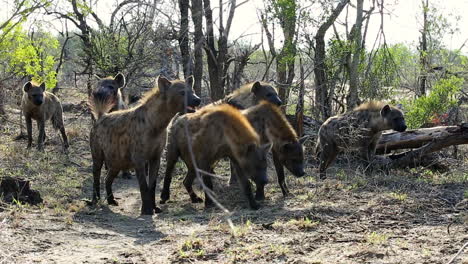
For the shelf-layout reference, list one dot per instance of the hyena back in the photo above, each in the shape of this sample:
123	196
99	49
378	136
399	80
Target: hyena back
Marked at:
215	132
358	129
251	94
41	106
135	137
271	125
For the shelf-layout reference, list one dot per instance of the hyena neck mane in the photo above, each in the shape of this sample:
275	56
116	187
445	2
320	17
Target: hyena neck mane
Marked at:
278	129
370	112
154	109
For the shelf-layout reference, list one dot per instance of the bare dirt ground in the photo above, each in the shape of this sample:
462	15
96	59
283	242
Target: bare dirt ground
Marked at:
407	216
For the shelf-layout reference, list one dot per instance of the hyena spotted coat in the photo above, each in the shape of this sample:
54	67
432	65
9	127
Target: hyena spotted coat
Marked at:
246	96
108	91
215	132
358	129
271	125
132	138
41	106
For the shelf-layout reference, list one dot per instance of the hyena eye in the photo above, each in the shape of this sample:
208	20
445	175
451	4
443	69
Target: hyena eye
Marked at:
182	92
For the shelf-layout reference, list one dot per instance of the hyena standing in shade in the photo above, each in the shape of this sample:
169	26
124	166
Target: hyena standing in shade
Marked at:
215	132
41	106
271	125
358	129
135	137
108	91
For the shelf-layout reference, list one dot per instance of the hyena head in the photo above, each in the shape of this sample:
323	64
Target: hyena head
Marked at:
254	162
109	89
393	118
179	94
291	154
35	92
264	91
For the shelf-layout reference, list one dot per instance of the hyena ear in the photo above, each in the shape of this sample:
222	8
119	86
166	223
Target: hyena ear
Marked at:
190	81
303	139
163	83
27	86
42	86
256	88
120	80
385	110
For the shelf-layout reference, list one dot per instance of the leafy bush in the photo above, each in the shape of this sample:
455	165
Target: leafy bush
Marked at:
434	105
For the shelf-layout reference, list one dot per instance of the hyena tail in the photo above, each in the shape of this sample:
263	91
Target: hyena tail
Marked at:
99	107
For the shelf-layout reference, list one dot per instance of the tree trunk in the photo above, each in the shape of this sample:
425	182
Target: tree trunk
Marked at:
439	138
184	37
299	124
216	90
322	98
423	51
197	17
352	99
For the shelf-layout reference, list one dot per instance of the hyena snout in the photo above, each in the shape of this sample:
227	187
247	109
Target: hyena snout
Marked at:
103	95
401	127
192	102
38	100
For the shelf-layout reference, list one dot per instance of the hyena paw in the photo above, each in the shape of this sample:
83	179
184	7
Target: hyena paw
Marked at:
157	210
40	148
196	199
112	202
254	206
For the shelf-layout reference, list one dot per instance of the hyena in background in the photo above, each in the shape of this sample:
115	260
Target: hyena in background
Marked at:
135	137
358	129
41	106
271	125
246	96
251	94
215	132
108	91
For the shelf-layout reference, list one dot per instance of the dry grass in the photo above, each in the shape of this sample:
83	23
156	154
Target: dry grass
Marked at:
407	216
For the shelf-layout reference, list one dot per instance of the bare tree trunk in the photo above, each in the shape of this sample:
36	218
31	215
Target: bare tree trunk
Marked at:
423	51
2	101
299	125
216	91
322	98
197	18
356	36
184	38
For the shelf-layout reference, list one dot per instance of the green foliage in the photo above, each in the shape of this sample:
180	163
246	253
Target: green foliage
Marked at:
435	104
30	56
382	70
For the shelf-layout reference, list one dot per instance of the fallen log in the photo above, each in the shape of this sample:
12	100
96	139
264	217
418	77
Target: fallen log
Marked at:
429	141
440	137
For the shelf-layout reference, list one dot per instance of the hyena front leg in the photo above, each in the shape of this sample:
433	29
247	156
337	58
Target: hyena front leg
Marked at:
146	205
188	183
29	130
152	180
280	174
111	174
41	137
245	187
